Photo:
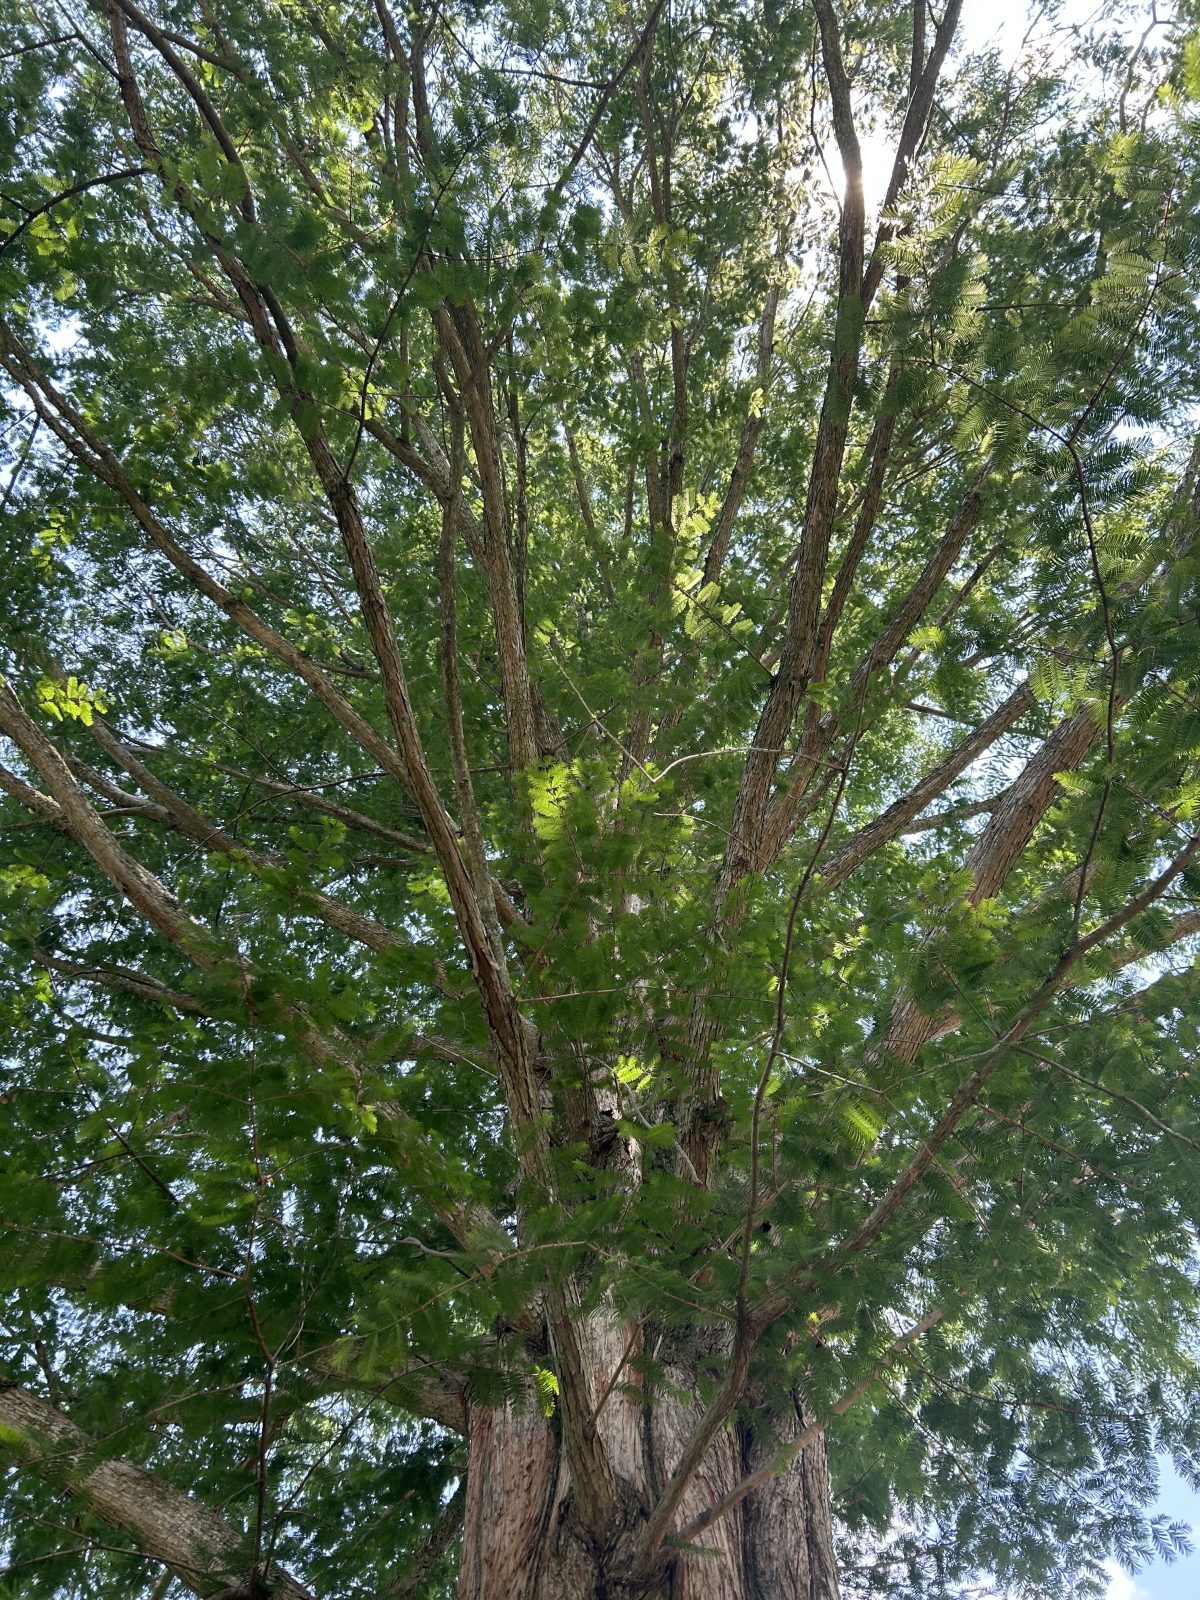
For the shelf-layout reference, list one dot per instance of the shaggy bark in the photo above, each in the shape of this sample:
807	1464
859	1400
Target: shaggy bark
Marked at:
524	1532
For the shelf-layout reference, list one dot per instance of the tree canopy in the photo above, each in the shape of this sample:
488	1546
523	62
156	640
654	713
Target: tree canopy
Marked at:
599	709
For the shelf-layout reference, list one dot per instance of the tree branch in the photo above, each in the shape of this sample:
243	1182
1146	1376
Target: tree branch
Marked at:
201	1549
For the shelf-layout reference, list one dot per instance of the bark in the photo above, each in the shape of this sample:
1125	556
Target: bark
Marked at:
209	1556
524	1532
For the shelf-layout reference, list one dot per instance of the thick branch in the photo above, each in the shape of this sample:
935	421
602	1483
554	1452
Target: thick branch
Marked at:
900	814
70	427
916	121
143	891
183	816
804	597
807	1435
473	1225
204	1552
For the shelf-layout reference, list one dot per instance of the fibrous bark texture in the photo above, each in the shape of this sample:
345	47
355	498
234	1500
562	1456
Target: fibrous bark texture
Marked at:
171	1527
525	1539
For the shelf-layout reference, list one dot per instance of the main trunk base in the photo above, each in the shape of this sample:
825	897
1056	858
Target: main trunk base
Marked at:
523	1538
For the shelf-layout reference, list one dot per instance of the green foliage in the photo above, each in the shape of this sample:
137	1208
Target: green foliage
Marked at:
232	1190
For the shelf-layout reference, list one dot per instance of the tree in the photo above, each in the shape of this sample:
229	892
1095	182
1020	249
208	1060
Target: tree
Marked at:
599	709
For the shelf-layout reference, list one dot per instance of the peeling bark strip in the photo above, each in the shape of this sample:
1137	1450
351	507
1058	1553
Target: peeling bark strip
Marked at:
201	1549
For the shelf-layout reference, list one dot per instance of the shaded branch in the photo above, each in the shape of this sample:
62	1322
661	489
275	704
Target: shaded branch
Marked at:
200	1548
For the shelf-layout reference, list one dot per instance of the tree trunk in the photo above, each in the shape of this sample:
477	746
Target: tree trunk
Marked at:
524	1540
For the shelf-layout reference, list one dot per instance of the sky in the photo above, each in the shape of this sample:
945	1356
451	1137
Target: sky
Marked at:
1178	1580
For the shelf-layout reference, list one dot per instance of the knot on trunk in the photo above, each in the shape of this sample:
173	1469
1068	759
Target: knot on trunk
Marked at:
255	1587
